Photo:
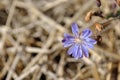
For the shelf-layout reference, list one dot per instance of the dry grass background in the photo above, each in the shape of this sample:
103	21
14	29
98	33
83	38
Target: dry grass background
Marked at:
30	41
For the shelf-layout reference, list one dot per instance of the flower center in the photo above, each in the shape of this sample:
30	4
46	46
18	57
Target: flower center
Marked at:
77	40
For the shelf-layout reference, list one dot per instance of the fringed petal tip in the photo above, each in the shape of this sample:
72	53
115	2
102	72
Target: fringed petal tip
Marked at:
63	40
90	40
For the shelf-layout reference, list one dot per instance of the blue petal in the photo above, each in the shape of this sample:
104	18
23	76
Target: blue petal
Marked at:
68	40
90	40
65	35
89	45
68	36
75	29
63	40
75	50
80	52
86	33
67	44
70	50
85	51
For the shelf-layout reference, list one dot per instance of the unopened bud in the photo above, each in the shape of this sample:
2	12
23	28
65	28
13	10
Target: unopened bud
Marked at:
113	5
88	16
98	3
98	26
118	2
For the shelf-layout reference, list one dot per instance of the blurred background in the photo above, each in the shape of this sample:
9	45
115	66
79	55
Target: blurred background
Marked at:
30	40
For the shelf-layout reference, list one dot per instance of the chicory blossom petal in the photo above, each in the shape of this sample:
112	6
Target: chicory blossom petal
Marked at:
85	51
80	55
78	43
86	33
75	29
90	40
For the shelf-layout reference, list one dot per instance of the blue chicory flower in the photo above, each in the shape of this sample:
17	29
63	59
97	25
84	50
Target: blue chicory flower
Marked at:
79	43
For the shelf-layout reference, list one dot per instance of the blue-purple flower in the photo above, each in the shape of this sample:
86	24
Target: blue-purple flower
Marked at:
79	43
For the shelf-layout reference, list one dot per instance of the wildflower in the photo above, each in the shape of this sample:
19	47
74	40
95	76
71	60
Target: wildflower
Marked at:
79	43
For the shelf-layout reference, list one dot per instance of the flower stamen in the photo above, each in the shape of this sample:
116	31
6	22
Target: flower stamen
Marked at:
77	40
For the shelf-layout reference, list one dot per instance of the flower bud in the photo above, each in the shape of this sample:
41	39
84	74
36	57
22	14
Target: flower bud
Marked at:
88	16
98	3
